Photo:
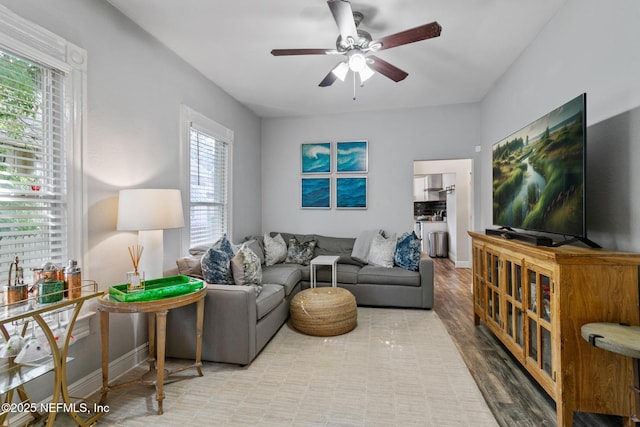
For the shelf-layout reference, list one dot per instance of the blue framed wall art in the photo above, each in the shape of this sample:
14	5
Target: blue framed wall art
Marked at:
315	158
351	193
352	157
315	193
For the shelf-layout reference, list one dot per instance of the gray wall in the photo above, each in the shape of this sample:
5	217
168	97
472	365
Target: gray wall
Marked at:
135	87
594	47
396	139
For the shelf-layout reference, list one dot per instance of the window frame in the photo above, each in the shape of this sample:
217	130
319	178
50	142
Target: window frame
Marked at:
40	45
189	117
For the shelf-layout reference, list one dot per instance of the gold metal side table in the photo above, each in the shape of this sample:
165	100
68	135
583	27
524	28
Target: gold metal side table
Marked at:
157	310
15	375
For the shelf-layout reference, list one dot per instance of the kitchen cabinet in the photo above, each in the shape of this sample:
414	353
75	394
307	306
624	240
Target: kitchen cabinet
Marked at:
536	299
428	188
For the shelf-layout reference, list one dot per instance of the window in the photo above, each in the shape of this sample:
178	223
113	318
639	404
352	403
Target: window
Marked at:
209	149
41	91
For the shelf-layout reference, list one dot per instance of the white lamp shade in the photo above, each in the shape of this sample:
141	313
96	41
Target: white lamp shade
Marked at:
149	209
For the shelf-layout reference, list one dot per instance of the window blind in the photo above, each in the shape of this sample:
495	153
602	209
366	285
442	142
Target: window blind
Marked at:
33	208
208	187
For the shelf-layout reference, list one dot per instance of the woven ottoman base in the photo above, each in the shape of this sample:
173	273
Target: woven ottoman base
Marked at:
324	312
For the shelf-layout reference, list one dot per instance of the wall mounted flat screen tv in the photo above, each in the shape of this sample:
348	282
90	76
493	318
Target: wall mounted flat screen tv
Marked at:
539	174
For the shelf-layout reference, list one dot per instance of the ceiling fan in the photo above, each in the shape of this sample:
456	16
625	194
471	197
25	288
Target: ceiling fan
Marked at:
357	45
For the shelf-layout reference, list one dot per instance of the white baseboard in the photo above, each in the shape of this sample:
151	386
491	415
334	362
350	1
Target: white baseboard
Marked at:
92	383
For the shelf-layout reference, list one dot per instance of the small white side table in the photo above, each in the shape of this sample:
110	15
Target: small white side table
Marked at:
331	260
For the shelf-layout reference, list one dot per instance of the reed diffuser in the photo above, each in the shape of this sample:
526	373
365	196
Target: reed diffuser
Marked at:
135	278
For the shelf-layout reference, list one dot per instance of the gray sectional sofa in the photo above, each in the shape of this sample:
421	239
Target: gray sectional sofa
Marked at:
237	324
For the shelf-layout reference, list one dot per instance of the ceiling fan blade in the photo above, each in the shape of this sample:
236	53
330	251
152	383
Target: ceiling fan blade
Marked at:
328	80
386	69
281	52
343	16
416	34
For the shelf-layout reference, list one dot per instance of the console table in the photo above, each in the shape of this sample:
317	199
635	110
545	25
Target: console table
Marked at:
536	299
157	310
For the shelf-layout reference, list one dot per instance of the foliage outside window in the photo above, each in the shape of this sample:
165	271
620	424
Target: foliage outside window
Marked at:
42	129
33	219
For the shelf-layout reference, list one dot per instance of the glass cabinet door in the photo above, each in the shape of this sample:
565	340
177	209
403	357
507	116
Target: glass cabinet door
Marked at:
479	288
513	298
493	314
539	313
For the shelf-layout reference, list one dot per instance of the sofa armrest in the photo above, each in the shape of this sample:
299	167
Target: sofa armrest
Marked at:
229	331
425	268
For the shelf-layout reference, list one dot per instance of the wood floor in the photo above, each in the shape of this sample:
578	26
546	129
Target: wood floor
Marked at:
513	396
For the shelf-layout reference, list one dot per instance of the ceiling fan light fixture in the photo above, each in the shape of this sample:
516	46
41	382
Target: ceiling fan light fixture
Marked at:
365	74
357	61
341	70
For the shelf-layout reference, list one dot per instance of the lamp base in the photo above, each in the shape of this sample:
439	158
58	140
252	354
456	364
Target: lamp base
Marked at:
152	253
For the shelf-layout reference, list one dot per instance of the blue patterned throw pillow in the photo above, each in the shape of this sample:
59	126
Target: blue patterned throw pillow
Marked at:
215	262
407	253
223	244
215	267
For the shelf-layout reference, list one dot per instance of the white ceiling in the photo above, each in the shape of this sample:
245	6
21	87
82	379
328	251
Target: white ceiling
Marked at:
230	43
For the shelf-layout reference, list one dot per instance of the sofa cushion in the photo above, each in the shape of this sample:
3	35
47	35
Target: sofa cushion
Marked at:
286	275
300	253
341	246
408	251
275	249
246	269
388	276
382	250
270	297
347	273
190	266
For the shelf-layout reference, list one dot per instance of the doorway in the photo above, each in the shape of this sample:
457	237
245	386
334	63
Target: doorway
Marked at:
459	200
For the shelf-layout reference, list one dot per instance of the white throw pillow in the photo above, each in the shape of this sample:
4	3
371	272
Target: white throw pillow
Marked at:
275	249
361	246
382	251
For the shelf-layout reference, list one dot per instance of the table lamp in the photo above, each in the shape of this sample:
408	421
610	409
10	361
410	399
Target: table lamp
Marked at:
149	212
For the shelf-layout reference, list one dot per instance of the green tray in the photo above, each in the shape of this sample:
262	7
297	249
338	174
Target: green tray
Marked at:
156	289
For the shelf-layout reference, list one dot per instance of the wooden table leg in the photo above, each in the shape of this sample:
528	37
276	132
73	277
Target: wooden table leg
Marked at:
151	318
161	325
104	339
199	323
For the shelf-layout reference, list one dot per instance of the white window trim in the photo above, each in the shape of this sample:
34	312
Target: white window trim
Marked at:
19	35
188	118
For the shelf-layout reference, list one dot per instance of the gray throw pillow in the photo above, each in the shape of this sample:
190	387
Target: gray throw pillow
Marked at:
362	245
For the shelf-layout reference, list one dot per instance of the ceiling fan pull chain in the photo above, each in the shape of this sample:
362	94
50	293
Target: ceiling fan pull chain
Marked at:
354	85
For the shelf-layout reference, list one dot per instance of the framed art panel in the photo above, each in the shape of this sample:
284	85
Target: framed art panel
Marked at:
315	193
351	193
315	158
352	157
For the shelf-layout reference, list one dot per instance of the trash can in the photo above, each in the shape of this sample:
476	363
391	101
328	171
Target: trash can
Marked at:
442	244
438	244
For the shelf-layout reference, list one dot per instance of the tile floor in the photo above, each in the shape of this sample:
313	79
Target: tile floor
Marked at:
397	368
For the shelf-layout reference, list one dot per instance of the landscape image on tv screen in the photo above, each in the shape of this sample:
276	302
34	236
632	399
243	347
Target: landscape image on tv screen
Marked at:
538	173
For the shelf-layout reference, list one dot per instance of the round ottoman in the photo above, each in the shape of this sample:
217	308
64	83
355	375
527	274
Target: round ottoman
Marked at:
324	312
